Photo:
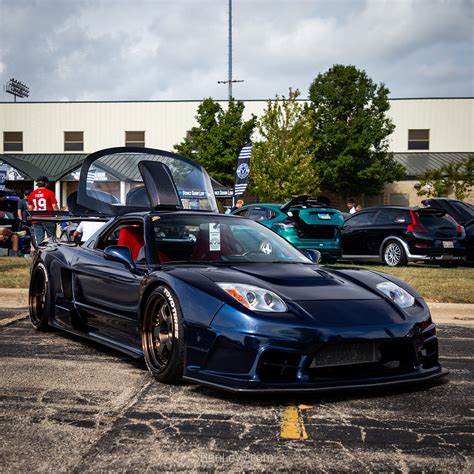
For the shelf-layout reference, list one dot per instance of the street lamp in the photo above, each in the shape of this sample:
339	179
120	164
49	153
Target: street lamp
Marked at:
17	88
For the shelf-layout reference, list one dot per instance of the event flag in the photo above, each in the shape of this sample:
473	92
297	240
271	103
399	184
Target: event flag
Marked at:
242	171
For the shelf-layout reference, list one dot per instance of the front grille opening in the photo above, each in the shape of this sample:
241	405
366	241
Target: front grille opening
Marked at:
364	360
279	366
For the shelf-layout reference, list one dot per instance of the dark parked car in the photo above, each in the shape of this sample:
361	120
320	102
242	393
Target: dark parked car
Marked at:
397	235
222	300
463	213
306	221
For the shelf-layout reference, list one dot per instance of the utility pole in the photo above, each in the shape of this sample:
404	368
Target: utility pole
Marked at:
229	77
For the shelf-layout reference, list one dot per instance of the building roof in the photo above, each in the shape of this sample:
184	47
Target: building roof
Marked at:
417	163
57	166
54	166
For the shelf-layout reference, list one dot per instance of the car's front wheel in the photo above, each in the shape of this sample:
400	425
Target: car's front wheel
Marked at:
39	298
163	336
394	254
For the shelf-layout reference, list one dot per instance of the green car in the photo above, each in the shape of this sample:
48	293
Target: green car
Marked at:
306	221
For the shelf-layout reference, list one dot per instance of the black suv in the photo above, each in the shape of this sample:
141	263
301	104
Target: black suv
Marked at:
463	213
397	235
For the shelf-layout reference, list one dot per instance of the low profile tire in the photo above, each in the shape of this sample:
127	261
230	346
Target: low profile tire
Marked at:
394	254
39	298
163	336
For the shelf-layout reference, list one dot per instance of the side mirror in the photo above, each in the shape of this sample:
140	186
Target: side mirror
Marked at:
120	254
313	255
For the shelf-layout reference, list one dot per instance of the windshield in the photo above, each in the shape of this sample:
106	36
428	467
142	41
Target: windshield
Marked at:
435	222
190	238
465	209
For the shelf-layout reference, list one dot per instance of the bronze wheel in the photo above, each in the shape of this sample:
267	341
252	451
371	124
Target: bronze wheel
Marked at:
162	336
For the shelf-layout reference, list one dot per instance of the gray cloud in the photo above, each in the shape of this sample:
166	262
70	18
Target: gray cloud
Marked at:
156	49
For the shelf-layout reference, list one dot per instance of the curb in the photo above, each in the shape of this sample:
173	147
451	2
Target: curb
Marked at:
13	297
442	313
452	313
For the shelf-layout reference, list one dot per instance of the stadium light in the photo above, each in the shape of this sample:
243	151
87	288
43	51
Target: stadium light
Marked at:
17	88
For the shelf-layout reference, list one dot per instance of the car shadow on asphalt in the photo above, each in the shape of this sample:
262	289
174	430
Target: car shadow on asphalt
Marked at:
336	396
268	397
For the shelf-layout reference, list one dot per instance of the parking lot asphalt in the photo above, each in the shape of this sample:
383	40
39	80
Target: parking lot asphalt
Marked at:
71	405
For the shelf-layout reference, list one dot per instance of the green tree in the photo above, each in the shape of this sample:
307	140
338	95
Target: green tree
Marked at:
351	129
217	140
282	163
456	177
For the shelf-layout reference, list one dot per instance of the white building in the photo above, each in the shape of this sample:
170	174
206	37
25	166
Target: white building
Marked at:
53	137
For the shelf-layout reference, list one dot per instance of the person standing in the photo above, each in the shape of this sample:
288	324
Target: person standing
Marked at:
351	206
23	208
238	205
42	199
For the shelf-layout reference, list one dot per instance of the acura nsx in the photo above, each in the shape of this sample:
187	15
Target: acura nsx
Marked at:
220	300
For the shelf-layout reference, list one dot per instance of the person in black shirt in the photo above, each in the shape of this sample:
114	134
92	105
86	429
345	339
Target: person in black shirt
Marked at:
23	208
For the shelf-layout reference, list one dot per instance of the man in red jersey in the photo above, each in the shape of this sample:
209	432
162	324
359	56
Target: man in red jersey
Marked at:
42	199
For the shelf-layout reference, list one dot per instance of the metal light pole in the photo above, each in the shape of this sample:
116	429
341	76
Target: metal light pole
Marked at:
229	77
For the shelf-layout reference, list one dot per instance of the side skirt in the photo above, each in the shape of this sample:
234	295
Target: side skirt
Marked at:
132	351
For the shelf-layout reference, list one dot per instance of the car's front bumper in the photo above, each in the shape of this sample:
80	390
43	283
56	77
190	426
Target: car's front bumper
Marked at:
239	386
245	355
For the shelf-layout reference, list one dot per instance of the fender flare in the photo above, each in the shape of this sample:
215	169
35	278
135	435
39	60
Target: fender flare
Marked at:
399	240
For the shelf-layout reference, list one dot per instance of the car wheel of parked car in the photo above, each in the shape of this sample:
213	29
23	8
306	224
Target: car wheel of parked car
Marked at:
394	254
39	299
163	336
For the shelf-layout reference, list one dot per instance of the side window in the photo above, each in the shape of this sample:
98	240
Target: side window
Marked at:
360	219
241	213
392	216
257	214
128	234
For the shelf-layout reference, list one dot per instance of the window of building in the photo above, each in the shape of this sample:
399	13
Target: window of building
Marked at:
418	139
135	139
399	199
12	141
73	141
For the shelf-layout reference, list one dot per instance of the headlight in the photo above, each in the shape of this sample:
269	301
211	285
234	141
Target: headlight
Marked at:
398	295
255	298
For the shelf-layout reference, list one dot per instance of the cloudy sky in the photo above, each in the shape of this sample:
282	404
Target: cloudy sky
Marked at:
177	49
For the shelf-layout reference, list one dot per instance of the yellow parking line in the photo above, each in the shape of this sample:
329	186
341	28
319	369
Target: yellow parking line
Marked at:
292	426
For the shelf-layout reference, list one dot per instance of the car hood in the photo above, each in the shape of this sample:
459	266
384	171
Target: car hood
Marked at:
297	282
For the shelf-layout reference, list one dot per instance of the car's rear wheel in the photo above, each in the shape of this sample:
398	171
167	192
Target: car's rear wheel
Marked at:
163	336
39	300
394	254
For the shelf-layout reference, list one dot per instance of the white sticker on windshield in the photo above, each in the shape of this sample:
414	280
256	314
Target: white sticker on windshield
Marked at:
214	237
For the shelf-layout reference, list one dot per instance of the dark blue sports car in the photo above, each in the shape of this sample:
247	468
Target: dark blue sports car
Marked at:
220	300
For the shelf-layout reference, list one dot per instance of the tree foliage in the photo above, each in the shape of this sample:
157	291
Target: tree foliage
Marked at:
351	129
282	163
217	140
454	177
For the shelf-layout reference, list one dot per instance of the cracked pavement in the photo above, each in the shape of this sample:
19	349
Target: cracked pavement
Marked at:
71	405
